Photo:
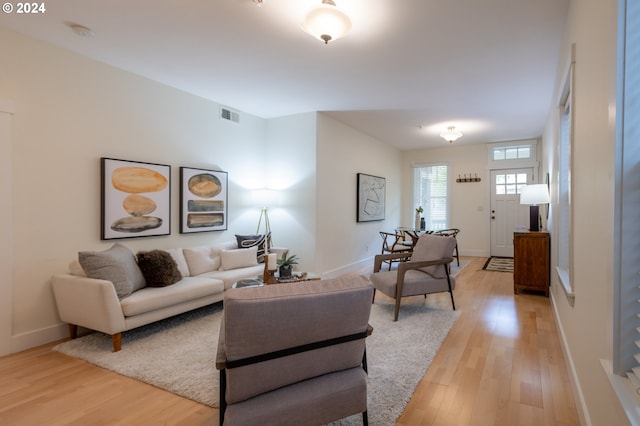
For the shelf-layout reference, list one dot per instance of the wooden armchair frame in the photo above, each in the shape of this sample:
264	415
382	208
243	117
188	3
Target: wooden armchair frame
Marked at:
407	265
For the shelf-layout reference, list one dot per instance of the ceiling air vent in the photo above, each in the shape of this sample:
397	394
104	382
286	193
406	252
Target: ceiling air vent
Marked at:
229	115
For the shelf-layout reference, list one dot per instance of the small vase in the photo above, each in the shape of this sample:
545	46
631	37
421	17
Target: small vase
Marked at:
285	271
423	224
416	226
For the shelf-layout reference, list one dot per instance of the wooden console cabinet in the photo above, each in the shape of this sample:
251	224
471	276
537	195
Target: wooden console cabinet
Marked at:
531	261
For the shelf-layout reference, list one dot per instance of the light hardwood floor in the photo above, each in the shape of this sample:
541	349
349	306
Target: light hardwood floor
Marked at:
501	364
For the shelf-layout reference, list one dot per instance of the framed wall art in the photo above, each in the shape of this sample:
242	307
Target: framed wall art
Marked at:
135	199
203	200
371	198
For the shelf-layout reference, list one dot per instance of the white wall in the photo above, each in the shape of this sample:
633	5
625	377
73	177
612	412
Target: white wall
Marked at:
587	327
6	229
342	153
70	111
469	202
291	171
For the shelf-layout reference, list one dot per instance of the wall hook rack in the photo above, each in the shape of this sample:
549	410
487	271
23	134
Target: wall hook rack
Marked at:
464	179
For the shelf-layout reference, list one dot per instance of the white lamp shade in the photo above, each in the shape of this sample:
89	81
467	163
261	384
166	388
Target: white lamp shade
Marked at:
327	23
534	194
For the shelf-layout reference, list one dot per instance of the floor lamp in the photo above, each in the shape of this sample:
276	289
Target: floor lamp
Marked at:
267	226
534	195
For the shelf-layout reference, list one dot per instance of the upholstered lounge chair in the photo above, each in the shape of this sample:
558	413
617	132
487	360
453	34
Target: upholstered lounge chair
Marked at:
294	354
426	272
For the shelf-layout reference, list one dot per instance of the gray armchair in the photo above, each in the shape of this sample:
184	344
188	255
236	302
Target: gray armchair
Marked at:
293	354
426	271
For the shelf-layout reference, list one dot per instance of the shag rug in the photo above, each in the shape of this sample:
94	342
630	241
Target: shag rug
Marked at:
178	355
500	264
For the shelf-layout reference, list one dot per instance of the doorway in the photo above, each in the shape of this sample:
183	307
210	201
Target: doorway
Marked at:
507	213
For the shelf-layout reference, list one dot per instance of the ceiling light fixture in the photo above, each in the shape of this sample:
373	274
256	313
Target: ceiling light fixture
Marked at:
326	22
451	134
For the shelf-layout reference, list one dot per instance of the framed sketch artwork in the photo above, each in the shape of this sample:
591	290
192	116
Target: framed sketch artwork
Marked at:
203	200
135	199
371	198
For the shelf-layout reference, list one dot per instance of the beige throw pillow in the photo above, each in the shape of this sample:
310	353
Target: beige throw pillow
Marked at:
239	258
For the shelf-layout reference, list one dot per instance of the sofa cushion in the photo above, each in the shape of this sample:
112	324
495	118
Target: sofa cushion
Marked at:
258	240
116	264
159	268
433	247
238	258
178	257
152	298
200	260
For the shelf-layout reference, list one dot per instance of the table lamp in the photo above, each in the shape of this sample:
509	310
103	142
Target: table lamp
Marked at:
534	195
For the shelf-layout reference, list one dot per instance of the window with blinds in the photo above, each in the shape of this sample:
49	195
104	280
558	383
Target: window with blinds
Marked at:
565	144
626	361
431	192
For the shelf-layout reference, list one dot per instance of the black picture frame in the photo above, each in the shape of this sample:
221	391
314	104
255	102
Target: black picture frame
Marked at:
371	198
203	200
135	199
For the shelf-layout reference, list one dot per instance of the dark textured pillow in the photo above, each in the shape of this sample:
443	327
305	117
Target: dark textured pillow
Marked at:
247	241
159	268
117	264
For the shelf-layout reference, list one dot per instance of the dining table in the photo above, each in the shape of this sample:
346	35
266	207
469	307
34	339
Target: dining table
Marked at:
413	234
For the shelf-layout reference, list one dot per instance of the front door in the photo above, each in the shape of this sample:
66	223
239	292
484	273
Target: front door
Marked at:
507	213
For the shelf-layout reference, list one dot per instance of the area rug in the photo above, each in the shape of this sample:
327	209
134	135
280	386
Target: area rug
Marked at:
178	355
500	264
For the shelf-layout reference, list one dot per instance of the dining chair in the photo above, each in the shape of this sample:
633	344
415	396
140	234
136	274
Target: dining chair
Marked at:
451	232
394	242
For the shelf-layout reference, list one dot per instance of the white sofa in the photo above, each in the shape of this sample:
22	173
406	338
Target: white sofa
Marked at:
98	304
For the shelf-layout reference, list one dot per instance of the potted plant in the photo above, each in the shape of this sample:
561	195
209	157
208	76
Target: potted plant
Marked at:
419	210
286	263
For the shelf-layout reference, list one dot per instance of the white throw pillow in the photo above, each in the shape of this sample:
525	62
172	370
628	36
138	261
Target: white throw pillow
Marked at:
239	258
199	260
76	269
178	256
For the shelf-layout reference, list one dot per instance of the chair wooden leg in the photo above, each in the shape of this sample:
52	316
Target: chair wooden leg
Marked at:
223	392
396	311
117	341
73	331
365	418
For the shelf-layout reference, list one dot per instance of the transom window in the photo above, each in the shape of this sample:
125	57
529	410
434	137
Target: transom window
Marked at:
510	183
511	152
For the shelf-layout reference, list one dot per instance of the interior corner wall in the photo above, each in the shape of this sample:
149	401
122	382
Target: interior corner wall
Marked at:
291	173
342	153
6	229
469	202
70	111
587	327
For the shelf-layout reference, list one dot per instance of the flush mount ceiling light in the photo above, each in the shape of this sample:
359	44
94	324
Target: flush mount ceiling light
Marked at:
451	134
326	22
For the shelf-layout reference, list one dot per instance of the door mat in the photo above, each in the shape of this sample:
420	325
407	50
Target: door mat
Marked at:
500	264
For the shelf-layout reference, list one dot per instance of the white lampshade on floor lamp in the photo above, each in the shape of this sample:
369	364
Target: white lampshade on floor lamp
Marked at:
534	195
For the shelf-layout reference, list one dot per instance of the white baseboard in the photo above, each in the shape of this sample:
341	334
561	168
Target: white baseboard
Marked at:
31	339
580	402
353	267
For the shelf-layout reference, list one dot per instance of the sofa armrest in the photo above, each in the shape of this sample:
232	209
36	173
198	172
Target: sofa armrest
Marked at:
88	302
